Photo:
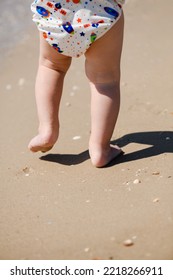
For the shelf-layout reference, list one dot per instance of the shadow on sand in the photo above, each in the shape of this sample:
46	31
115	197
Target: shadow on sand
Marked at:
159	142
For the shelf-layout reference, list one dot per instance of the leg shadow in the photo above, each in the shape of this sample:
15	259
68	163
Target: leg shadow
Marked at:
67	159
159	142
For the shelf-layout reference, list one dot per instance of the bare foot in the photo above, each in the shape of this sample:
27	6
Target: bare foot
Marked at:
43	142
101	158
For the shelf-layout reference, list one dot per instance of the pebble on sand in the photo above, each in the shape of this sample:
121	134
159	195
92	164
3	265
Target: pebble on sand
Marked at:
156	200
27	170
128	243
136	181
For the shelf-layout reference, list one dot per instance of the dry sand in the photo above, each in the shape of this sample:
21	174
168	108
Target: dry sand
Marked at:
57	206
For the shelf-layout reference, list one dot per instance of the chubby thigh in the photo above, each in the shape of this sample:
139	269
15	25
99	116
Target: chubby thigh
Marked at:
104	56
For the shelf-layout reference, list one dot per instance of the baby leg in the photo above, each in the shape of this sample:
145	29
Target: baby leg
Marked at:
48	90
103	72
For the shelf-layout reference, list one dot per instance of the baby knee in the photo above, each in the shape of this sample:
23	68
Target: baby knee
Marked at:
104	75
104	81
60	65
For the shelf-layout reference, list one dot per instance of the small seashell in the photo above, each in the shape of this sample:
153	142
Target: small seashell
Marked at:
156	173
156	200
136	181
76	137
128	242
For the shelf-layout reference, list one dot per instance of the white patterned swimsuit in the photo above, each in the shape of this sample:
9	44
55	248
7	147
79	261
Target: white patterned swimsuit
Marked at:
71	26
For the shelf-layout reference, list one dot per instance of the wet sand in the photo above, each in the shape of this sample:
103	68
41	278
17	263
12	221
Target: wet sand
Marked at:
57	205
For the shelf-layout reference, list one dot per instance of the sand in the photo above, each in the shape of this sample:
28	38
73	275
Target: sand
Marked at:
57	205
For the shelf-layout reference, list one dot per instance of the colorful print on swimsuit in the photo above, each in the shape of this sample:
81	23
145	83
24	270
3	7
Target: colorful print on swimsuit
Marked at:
72	26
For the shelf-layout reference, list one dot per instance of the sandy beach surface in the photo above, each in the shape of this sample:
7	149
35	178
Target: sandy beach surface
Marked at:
57	205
